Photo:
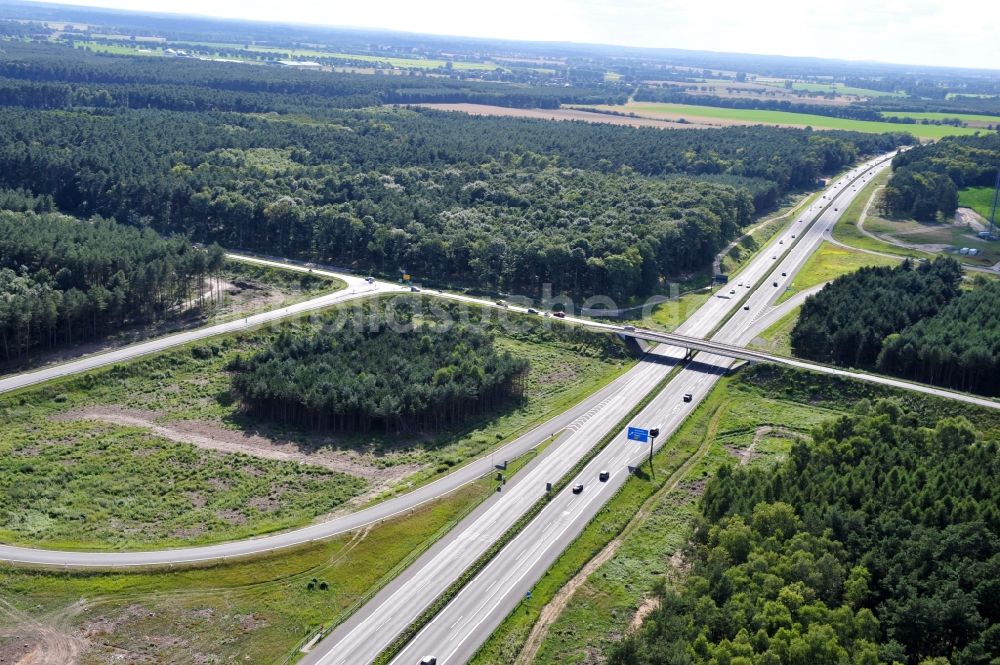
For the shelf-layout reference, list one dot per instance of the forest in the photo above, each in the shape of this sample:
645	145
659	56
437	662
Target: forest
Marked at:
380	377
926	179
959	347
44	75
873	543
847	322
503	203
64	281
912	322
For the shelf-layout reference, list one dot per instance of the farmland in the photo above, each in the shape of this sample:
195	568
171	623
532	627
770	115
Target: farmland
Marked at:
726	116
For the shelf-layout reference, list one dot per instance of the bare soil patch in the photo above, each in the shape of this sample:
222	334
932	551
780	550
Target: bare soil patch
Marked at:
43	641
213	437
645	609
568	114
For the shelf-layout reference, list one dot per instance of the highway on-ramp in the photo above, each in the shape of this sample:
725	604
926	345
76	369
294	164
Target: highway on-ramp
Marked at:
632	386
465	622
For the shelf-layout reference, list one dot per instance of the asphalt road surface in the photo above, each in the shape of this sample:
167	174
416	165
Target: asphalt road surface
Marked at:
455	634
609	403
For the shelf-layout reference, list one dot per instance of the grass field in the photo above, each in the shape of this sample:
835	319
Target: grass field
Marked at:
251	611
130	456
981	120
695	113
979	199
114	49
829	262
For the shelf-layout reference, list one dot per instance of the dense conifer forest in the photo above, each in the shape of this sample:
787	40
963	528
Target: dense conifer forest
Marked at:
908	321
874	543
847	322
63	280
382	378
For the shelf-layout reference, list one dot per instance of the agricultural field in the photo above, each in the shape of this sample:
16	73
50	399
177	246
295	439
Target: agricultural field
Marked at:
66	443
979	199
970	119
726	116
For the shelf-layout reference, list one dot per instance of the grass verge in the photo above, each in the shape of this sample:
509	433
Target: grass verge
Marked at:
777	338
829	262
752	416
446	597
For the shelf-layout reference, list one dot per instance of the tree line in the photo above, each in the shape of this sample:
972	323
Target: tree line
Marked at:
926	179
876	542
379	378
64	281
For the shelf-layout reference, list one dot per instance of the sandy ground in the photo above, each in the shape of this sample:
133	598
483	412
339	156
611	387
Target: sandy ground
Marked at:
43	641
213	437
569	114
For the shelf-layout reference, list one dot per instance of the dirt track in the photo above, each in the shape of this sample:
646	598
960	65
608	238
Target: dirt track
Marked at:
213	437
44	641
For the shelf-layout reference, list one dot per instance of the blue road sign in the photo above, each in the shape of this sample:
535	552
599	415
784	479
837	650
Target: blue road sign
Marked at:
638	434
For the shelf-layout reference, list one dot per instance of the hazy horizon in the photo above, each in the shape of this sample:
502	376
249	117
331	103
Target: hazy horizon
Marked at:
922	32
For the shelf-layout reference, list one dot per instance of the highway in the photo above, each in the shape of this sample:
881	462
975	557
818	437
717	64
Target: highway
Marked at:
631	385
458	630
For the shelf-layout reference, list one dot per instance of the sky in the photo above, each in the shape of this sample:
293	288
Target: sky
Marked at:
960	33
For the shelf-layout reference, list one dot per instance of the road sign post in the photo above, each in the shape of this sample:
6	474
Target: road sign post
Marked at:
653	433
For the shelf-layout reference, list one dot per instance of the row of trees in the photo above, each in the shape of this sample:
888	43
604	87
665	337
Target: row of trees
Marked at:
926	179
353	381
875	543
64	281
848	321
680	95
